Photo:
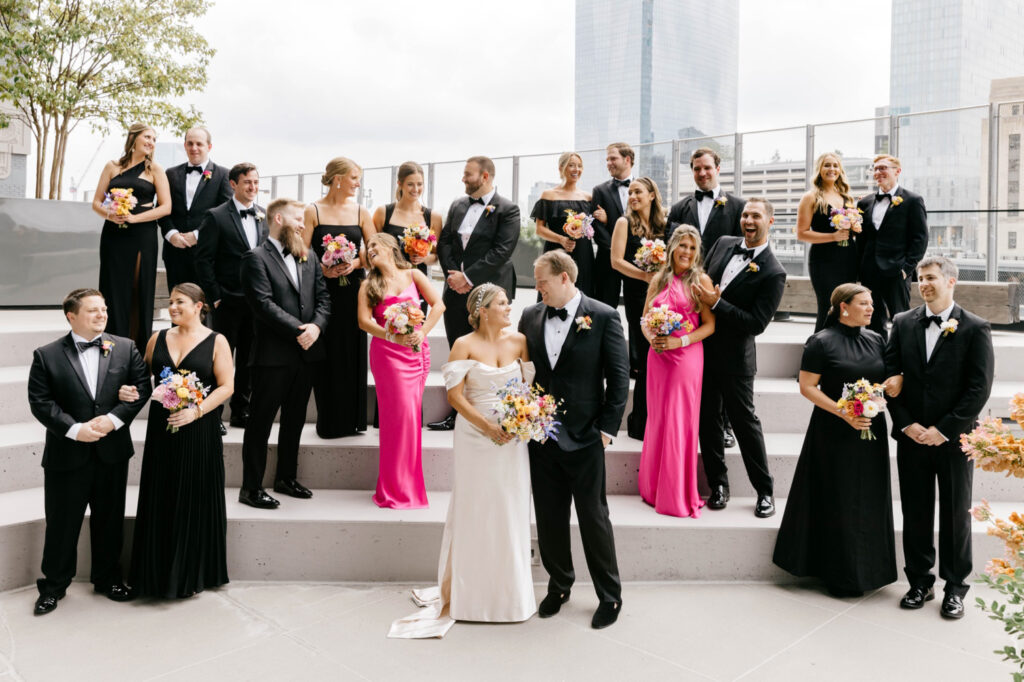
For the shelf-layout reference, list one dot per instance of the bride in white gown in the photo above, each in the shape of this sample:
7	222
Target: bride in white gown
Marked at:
484	571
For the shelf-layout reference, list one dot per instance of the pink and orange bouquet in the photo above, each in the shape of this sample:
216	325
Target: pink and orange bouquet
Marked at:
1011	532
848	218
651	255
338	250
992	447
661	321
862	399
403	318
179	391
418	240
526	412
579	225
120	202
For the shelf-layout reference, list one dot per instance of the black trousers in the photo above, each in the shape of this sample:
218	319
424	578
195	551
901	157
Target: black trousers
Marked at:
233	319
607	280
919	467
284	388
101	487
889	295
179	264
736	395
559	479
825	277
456	317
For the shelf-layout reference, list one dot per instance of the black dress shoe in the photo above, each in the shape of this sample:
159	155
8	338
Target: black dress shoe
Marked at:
292	488
765	506
446	424
46	603
257	498
952	607
223	429
239	422
719	497
606	614
728	437
115	592
916	597
551	604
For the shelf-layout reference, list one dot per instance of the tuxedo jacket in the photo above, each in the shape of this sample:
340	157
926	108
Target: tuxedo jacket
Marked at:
724	220
744	310
591	375
949	390
606	195
488	253
220	250
209	193
279	308
899	242
59	397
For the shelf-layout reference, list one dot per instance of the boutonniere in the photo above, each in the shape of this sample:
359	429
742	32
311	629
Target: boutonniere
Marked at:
753	267
260	215
107	346
583	323
207	174
720	201
896	201
949	326
489	209
303	258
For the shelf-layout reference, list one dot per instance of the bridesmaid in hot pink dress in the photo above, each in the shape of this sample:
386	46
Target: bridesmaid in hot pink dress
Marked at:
400	364
675	365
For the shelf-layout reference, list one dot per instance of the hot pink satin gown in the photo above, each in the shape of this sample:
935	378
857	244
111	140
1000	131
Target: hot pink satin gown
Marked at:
400	375
668	462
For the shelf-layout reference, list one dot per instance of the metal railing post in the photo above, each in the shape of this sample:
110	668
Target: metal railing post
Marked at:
674	174
894	135
737	164
430	185
273	187
515	180
992	252
299	190
394	180
809	156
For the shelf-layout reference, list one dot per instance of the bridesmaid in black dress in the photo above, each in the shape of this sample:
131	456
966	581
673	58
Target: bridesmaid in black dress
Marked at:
181	524
645	219
549	214
340	389
838	523
128	244
830	263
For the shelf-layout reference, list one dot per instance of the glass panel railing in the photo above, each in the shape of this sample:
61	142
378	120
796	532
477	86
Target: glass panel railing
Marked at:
376	188
724	146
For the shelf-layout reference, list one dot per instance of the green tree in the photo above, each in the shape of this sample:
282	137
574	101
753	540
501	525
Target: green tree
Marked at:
102	61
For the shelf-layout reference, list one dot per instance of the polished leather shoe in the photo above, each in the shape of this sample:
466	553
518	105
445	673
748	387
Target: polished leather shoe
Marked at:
729	438
952	607
239	421
446	424
292	488
719	497
916	597
115	592
223	429
606	614
257	498
765	506
46	603
551	604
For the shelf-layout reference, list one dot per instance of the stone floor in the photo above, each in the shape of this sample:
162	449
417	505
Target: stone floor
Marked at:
668	631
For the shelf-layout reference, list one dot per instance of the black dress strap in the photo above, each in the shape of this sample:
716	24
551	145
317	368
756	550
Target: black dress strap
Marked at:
426	216
389	210
317	209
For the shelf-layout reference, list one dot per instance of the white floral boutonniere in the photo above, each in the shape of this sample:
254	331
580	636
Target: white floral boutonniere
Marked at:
583	323
260	215
896	201
107	346
753	267
721	200
949	326
489	209
207	174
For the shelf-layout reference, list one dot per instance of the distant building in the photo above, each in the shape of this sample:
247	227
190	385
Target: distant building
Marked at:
1009	94
15	145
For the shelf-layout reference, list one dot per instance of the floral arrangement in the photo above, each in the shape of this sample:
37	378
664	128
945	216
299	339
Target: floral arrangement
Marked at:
178	391
583	323
753	267
651	255
949	326
579	225
991	445
338	250
402	318
526	411
120	202
207	174
661	321
862	399
896	201
418	240
721	200
107	346
848	218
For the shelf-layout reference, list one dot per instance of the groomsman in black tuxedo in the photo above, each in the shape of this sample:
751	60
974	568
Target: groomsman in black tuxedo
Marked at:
749	281
230	231
893	239
944	354
196	187
580	353
73	391
609	203
288	295
476	245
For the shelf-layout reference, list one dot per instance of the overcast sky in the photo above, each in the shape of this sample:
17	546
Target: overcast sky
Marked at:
382	82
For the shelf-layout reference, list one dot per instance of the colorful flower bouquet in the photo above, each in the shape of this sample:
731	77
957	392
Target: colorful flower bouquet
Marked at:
418	240
661	321
120	202
338	250
849	218
579	225
862	399
178	391
403	318
991	445
526	412
651	255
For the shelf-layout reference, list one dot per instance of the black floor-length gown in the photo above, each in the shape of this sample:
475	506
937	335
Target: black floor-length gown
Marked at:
838	524
829	265
181	522
340	388
128	263
552	212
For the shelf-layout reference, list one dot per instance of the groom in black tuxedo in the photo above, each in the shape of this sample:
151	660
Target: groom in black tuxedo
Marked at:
608	204
476	245
580	353
712	210
945	356
288	295
196	187
749	282
73	391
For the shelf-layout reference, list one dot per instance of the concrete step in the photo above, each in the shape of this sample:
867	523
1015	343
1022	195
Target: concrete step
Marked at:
341	535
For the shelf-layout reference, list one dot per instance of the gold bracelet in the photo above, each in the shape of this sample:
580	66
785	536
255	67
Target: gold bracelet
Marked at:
199	408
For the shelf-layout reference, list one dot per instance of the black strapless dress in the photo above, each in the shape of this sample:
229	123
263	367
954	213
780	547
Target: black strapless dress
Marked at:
552	212
830	265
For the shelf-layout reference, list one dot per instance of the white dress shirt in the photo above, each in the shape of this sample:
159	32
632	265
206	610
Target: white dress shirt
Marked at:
932	331
192	181
90	361
472	217
737	263
289	261
248	222
624	195
704	207
882	205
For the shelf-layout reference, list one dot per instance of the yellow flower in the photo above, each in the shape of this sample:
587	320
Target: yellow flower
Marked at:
182	392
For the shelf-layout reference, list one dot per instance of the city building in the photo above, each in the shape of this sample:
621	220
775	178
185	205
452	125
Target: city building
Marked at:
1008	93
15	144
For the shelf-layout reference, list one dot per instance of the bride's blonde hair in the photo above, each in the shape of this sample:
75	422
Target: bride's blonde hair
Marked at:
480	297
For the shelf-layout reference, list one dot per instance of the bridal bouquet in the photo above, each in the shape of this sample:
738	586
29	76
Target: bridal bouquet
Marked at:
178	391
338	250
418	240
120	202
661	321
650	256
525	412
579	225
403	318
848	218
862	399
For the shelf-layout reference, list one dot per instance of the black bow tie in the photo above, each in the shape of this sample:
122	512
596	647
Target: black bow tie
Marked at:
560	313
621	183
928	319
478	200
86	345
882	195
194	169
700	194
251	212
738	250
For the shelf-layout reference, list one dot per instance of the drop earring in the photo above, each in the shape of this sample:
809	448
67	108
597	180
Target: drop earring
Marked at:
846	313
